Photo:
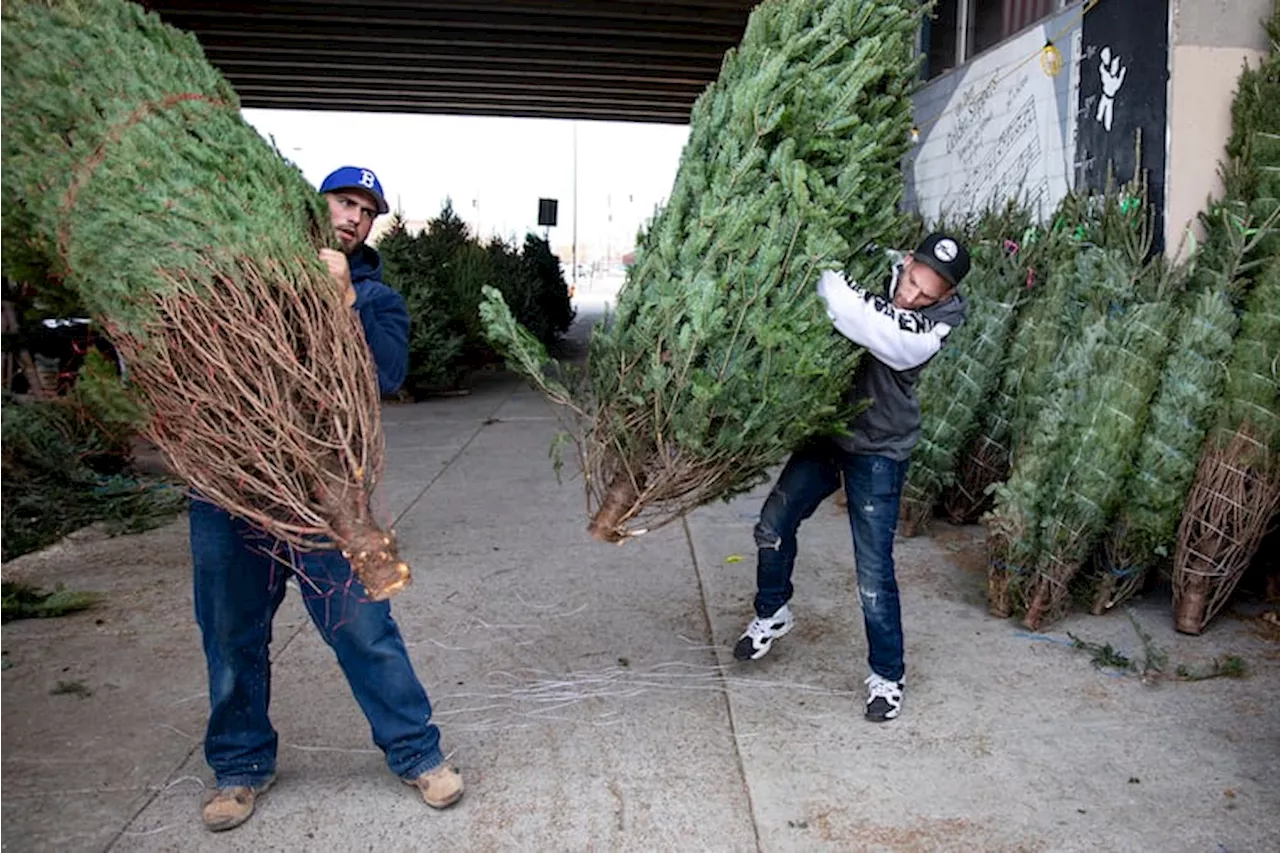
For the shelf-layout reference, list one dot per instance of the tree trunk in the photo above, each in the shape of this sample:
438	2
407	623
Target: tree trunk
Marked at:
619	498
1189	609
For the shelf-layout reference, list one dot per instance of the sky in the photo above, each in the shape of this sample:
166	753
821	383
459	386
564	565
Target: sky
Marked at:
495	169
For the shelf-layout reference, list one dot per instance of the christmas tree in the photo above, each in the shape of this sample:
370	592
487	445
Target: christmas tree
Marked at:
1236	492
1041	330
1056	360
1237	487
1188	399
1099	443
962	378
131	181
1239	239
720	358
1014	523
436	340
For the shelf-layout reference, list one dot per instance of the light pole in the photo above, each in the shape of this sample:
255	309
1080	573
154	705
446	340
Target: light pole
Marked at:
575	205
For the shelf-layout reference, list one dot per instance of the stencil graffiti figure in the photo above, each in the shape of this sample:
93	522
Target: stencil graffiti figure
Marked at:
1112	73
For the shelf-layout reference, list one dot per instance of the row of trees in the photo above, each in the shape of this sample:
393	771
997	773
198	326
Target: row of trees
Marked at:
441	271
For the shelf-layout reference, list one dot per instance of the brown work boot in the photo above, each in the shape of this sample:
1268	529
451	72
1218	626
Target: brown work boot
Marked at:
229	807
441	787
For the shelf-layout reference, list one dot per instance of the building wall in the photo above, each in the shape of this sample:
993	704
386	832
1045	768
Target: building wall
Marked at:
1122	129
1211	41
998	127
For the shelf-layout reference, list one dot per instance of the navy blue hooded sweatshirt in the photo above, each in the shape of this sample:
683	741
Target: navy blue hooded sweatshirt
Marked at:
384	317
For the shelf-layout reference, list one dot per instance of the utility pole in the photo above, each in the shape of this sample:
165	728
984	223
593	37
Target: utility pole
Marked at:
575	204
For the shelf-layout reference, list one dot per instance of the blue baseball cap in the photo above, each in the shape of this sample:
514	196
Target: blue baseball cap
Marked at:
356	178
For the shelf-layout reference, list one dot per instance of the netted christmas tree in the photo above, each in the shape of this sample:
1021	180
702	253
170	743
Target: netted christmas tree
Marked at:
131	180
1239	238
1041	330
1013	539
1142	537
1251	176
958	386
1236	493
1101	440
1056	396
1237	486
721	359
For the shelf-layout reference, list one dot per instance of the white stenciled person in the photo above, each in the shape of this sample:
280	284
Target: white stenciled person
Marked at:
1112	73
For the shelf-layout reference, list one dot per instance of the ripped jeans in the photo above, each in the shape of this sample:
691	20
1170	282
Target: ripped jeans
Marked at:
873	485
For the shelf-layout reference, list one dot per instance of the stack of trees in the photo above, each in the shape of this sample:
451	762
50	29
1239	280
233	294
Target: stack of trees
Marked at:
1007	248
441	272
1071	434
1135	428
1236	493
66	464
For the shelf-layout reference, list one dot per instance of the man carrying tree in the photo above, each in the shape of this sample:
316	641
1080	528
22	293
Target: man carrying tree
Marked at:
901	329
240	578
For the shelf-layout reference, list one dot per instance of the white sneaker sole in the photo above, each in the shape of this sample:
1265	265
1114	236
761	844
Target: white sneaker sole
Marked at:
768	644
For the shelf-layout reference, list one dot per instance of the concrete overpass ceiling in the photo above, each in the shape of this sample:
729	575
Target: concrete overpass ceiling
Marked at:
617	60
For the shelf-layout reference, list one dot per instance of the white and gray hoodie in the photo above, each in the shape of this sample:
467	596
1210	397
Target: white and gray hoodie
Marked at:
898	343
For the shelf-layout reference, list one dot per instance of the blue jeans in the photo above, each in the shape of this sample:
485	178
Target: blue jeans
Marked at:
873	485
239	584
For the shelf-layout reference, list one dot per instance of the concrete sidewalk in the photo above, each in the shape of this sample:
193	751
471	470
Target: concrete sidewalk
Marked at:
589	694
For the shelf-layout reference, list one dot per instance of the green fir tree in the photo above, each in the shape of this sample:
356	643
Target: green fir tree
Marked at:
1239	229
720	358
131	180
1053	372
963	377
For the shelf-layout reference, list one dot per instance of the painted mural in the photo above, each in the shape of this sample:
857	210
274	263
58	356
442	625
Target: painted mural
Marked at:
1124	77
999	127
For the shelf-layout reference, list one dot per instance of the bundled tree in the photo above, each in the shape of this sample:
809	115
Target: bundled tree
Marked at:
1033	341
1013	539
1251	176
1186	404
956	389
1046	398
131	179
1236	492
1239	239
720	358
1237	483
1101	440
1035	344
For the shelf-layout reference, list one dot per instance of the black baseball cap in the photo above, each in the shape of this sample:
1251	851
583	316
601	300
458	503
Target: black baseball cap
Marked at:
945	255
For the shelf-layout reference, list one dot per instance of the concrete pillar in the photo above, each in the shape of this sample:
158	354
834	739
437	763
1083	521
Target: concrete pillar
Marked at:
1210	42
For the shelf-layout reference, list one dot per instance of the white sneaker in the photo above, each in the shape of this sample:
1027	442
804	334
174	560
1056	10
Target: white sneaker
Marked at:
884	698
756	641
